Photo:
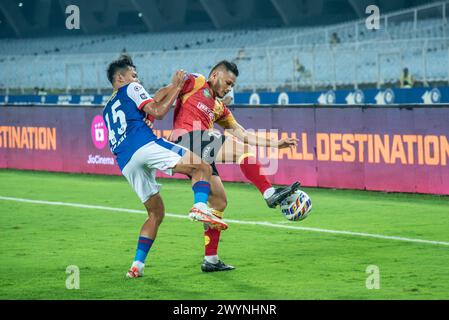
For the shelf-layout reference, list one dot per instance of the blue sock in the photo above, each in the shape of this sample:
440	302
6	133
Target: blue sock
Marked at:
201	190
143	246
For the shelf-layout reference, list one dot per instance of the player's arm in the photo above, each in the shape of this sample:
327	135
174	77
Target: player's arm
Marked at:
252	139
158	96
188	83
227	121
163	92
165	97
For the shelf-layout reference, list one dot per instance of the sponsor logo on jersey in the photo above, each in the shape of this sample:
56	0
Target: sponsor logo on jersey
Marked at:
119	142
206	110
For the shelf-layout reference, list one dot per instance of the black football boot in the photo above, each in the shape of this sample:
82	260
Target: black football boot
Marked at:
281	194
212	267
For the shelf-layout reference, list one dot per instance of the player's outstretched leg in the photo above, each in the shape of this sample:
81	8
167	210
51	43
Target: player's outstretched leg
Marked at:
218	203
148	232
200	172
242	154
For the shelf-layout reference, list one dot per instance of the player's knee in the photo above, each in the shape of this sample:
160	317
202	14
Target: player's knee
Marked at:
205	168
218	203
240	151
221	205
249	149
158	216
243	152
156	211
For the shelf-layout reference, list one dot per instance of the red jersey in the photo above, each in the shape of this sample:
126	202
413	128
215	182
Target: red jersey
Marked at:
198	109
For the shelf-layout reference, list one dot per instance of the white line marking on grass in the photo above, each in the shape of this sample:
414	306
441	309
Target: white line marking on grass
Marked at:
257	223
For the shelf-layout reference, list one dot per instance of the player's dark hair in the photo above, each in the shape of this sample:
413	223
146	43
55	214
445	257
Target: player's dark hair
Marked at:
229	66
123	62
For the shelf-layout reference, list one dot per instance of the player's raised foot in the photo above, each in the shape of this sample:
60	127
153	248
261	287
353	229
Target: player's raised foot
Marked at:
207	217
213	267
281	193
135	271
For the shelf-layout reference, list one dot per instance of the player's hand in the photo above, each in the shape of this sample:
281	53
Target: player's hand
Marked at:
179	78
287	143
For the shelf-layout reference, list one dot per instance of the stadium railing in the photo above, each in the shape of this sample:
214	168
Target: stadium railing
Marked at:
415	38
262	68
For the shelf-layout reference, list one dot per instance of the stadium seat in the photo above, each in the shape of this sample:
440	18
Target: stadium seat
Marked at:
268	61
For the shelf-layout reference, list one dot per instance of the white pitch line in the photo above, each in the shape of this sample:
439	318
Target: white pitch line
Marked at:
258	223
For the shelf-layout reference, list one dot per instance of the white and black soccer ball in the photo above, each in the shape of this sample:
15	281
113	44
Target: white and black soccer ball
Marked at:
297	206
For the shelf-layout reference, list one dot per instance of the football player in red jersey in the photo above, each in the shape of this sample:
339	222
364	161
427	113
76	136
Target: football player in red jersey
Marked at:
199	106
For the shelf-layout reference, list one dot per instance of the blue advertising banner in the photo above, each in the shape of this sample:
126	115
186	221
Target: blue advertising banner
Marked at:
350	97
344	97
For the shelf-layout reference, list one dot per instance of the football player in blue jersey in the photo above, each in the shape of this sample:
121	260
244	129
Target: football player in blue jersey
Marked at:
139	152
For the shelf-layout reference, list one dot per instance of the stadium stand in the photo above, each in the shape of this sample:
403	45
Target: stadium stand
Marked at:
268	58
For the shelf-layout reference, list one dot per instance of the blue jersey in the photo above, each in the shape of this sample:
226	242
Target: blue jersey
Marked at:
124	118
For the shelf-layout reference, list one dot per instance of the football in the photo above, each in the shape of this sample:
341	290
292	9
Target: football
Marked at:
297	206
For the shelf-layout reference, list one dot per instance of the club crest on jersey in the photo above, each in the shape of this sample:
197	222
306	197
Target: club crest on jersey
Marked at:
207	93
137	88
143	96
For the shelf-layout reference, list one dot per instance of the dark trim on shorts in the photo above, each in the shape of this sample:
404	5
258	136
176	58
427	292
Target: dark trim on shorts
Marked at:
211	142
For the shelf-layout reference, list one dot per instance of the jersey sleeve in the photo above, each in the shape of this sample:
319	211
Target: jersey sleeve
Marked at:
189	84
227	120
193	83
138	94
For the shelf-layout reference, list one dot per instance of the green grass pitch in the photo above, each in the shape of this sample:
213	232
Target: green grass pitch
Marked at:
39	241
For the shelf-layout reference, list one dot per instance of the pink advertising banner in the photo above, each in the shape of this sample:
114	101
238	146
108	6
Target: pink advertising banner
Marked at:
404	149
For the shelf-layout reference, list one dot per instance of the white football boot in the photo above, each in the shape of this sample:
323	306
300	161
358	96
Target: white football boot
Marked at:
207	217
136	270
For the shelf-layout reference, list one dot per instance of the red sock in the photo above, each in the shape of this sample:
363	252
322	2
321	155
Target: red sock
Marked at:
251	169
211	238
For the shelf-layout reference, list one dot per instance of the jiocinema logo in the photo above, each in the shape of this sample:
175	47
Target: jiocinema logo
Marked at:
98	132
97	159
